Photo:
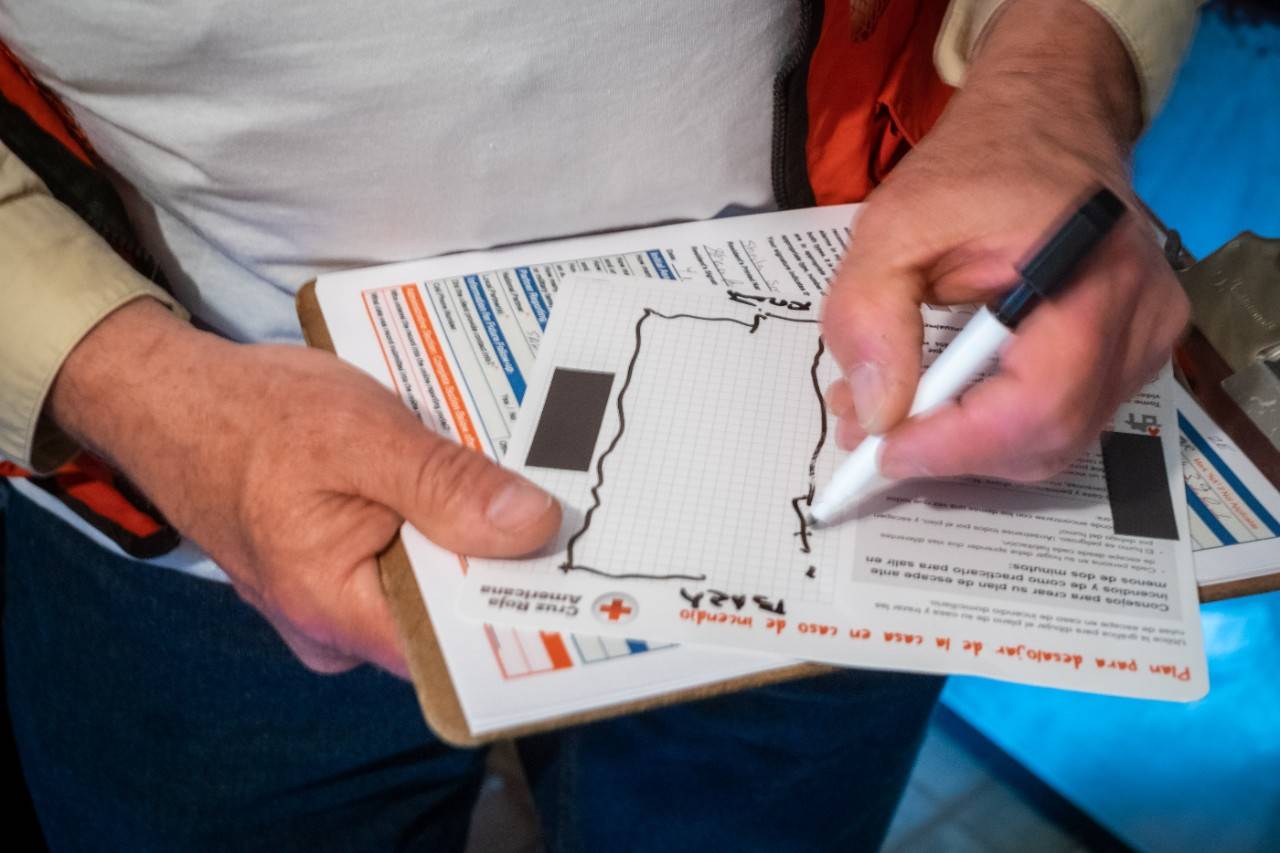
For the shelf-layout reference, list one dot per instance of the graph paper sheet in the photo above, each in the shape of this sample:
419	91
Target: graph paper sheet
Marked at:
684	431
455	338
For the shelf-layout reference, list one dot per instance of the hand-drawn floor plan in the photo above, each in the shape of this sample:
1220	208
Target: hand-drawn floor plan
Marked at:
744	446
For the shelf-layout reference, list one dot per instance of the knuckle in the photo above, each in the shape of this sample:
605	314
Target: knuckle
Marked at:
1038	466
1178	309
1132	264
1040	443
1053	420
1050	465
841	310
1039	469
1064	432
446	472
304	616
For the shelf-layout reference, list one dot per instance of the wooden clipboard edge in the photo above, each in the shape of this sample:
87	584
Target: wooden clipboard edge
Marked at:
431	680
315	331
1239	588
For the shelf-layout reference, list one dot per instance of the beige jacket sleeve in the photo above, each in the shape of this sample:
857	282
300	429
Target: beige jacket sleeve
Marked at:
58	278
1156	33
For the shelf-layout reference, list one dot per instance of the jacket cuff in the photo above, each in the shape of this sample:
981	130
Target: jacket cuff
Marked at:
1155	34
58	279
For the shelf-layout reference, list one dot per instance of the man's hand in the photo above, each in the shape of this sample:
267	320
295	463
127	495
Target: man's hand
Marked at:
1048	110
291	469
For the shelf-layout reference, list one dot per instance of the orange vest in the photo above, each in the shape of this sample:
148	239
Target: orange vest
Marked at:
872	93
862	91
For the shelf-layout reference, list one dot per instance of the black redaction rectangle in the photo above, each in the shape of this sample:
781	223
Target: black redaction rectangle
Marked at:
570	421
1138	486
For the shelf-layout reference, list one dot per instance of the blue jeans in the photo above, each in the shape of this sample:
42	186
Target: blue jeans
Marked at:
156	711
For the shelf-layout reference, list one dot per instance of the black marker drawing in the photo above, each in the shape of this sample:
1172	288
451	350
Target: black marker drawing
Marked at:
807	498
759	302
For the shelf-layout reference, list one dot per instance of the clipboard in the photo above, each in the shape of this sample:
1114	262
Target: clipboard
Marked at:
1201	370
1196	360
431	681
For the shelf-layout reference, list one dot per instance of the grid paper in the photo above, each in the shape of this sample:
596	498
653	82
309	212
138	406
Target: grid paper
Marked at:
720	424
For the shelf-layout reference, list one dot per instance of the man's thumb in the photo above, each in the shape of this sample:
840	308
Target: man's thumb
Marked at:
871	323
462	501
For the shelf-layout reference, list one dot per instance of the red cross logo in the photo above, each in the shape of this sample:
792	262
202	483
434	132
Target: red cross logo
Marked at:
616	608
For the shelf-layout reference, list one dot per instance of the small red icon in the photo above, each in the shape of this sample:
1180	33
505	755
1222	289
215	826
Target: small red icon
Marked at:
615	607
615	610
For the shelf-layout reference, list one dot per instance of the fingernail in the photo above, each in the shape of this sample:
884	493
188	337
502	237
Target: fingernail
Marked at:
849	434
839	399
518	505
868	395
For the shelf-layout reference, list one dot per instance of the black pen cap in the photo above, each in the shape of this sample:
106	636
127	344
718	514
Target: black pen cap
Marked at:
1051	267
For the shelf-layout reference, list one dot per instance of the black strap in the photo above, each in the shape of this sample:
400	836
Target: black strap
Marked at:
791	187
76	184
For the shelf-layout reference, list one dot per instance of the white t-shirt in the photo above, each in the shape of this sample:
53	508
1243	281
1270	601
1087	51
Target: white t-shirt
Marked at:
268	142
260	144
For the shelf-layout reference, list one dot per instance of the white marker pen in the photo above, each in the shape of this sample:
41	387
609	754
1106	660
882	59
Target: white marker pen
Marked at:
1049	271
